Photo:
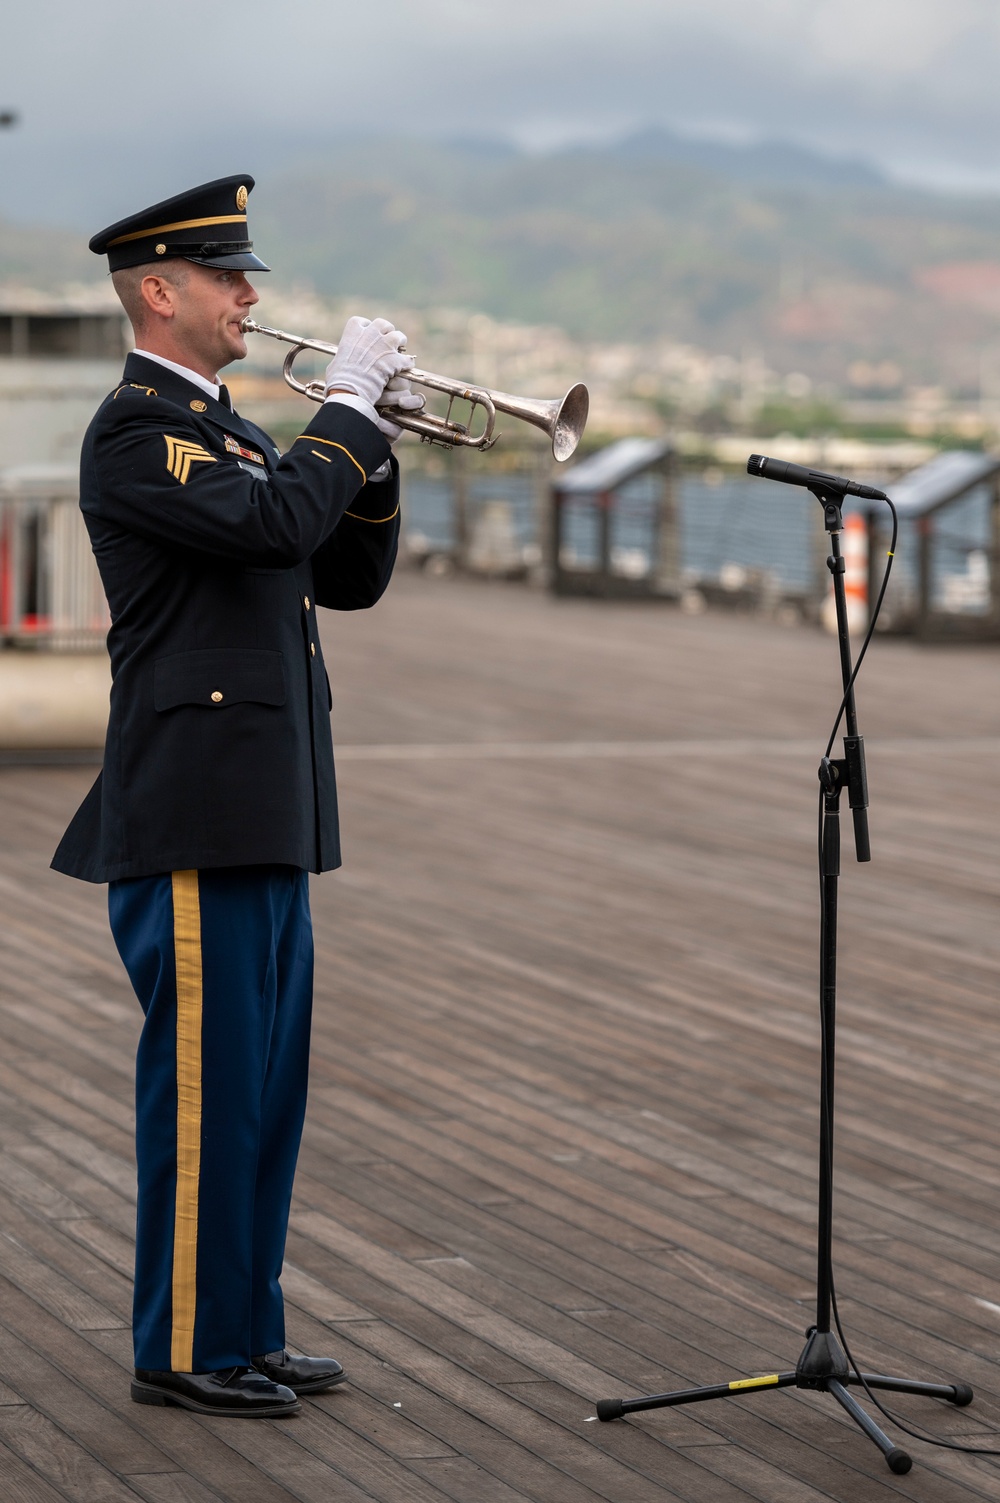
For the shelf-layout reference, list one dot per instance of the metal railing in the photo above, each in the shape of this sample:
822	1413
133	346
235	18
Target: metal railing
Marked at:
51	597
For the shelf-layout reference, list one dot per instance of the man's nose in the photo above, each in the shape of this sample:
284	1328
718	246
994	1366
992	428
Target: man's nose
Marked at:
249	295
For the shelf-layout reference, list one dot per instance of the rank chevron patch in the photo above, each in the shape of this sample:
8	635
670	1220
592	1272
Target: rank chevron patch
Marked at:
182	454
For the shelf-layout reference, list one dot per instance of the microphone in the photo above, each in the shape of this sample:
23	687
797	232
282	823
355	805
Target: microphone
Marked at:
797	474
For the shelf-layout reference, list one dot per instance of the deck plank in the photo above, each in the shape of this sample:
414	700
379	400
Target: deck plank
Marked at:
561	1134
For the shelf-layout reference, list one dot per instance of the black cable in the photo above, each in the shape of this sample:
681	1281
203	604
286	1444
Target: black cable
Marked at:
871	627
910	1429
916	1432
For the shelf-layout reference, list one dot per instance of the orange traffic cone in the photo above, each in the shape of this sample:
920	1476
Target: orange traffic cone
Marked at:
854	546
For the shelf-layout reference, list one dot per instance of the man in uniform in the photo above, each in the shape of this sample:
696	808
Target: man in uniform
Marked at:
217	794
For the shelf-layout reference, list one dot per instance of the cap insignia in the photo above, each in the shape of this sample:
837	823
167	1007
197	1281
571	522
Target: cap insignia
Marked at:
198	406
241	198
161	249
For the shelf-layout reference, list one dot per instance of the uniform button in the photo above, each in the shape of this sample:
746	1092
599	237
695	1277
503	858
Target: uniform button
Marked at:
312	649
217	696
306	602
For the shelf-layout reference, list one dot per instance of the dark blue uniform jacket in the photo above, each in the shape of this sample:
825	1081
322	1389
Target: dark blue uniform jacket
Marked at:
214	554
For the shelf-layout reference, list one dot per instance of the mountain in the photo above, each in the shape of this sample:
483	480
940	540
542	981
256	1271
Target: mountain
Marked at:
42	257
813	262
631	242
776	163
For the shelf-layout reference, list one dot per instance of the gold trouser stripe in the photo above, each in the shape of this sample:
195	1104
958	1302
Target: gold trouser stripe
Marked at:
187	961
313	439
179	224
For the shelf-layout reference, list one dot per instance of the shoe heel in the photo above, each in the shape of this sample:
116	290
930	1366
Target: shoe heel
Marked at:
141	1395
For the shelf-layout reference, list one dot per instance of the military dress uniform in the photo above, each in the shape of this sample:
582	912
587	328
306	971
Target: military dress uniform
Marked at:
216	798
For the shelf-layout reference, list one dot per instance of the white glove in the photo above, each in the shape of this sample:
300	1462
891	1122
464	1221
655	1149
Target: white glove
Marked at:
397	397
399	393
392	431
369	354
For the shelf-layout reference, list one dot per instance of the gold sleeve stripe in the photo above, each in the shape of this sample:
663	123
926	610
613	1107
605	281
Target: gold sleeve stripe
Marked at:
359	518
179	224
324	457
182	454
329	441
187	964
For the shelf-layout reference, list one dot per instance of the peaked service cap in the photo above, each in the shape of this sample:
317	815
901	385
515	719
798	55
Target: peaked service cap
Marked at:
207	224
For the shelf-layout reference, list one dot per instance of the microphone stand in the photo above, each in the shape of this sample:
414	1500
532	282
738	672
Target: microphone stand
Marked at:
822	1363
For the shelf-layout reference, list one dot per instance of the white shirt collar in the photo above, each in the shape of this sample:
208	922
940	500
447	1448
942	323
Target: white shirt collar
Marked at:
211	387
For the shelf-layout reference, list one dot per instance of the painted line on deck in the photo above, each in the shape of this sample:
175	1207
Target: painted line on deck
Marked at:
482	751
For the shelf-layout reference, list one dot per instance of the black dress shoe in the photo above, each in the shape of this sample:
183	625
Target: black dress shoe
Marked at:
300	1374
236	1391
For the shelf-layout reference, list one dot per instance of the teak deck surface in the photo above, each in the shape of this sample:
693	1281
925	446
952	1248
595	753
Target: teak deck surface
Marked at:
561	1139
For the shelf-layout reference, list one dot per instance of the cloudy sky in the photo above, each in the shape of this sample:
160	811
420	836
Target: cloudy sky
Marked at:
119	101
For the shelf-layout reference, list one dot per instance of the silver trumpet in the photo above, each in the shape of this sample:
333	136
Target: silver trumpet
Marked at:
562	418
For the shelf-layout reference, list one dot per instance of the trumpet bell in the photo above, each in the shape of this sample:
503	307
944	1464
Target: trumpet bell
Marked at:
562	418
570	421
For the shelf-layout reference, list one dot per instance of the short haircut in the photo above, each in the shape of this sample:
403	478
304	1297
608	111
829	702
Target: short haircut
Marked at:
128	281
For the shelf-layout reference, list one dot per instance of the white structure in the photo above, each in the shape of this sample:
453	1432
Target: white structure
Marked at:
50	591
59	358
54	671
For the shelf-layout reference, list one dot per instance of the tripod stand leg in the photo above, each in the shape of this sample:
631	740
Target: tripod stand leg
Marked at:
959	1394
899	1462
612	1409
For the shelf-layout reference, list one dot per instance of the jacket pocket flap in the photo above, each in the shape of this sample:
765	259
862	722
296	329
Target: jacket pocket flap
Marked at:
217	677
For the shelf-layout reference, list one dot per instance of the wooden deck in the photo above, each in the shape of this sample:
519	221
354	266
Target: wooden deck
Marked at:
561	1136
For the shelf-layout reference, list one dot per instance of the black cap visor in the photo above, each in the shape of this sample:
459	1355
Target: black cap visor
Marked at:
243	260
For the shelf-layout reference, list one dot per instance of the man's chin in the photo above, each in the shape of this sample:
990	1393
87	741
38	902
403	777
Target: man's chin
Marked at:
235	349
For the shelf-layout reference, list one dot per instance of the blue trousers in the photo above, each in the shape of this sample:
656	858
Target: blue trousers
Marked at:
221	962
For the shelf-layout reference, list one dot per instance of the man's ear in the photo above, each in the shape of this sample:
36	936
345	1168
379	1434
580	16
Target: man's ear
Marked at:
159	296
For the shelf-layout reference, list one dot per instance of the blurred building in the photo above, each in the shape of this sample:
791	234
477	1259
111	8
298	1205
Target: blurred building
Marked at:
59	357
